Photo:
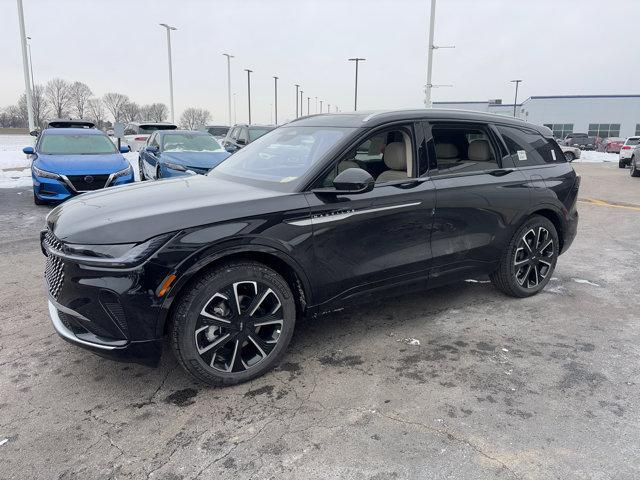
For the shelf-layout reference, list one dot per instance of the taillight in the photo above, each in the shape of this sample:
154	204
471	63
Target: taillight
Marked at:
140	139
626	147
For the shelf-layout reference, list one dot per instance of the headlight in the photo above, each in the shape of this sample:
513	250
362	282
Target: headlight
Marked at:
44	173
122	173
117	255
175	166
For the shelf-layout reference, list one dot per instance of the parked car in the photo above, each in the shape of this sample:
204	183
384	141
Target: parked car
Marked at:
634	163
173	153
580	140
626	151
570	153
611	145
219	132
324	211
67	161
242	135
136	134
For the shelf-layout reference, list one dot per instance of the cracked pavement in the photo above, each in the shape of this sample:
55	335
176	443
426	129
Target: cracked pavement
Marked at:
545	387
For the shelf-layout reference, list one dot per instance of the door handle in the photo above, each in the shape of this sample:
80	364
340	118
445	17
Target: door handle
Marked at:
500	172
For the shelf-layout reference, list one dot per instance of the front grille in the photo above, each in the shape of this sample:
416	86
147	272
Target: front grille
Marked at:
51	240
84	183
54	274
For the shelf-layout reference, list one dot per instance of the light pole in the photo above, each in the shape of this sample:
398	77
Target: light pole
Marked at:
320	106
235	108
355	99
249	91
515	101
308	103
328	108
429	86
275	100
169	28
297	87
301	100
25	67
33	82
316	110
229	57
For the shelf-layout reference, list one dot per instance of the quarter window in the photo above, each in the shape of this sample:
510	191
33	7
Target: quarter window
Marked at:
560	130
604	130
462	149
528	148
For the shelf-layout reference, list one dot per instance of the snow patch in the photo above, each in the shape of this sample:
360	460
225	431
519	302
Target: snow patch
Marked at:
582	280
473	280
15	178
589	156
410	341
3	441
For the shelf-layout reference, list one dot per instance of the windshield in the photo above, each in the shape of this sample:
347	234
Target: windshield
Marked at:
279	158
633	141
149	129
76	144
256	133
190	142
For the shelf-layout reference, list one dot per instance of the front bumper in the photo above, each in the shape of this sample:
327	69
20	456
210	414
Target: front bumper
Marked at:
54	190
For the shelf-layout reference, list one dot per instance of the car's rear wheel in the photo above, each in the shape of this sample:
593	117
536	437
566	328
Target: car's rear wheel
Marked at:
622	164
569	156
529	260
158	173
634	172
141	169
234	323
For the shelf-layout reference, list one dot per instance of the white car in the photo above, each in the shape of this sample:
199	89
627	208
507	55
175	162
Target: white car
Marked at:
627	150
136	134
570	153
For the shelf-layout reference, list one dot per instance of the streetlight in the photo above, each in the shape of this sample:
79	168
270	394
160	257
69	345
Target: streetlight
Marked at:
33	83
169	28
320	106
355	100
328	108
275	101
515	101
235	108
297	87
301	99
316	110
25	66
308	102
432	47
229	57
249	91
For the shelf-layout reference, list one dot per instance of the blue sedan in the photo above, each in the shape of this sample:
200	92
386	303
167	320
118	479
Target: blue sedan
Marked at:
174	153
70	161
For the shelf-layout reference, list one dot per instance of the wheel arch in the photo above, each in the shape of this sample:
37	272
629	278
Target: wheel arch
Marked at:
269	256
554	217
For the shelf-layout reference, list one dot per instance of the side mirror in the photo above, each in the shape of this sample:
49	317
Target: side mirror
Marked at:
151	149
351	181
229	147
34	133
125	149
28	150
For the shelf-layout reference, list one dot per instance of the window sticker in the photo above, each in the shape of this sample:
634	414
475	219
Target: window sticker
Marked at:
553	155
522	155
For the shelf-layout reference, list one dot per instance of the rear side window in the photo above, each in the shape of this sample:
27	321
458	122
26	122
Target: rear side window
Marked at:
528	148
632	141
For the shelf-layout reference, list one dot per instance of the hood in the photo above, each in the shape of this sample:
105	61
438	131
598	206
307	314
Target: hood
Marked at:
81	164
205	160
136	212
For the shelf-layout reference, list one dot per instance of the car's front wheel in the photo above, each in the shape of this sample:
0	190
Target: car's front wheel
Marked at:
634	172
569	156
529	260
234	323
37	201
622	164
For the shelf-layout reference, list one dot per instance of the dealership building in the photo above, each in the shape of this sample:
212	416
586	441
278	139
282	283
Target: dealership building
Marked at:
597	115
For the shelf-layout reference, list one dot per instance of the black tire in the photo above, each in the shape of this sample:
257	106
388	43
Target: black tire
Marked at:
634	172
142	176
569	156
209	351
37	201
158	173
507	277
622	164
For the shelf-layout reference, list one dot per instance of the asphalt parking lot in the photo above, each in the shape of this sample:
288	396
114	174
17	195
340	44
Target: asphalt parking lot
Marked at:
545	387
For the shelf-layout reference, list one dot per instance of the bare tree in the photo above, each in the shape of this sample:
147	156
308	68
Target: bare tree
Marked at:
193	118
39	103
130	112
58	92
80	94
158	112
96	112
115	103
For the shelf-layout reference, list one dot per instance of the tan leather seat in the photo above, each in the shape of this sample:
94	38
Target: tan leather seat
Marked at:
479	151
342	166
447	152
395	158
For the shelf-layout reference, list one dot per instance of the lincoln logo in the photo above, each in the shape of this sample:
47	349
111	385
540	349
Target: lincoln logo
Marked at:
88	179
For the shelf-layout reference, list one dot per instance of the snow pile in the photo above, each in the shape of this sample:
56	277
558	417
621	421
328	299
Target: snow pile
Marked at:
590	156
15	178
11	146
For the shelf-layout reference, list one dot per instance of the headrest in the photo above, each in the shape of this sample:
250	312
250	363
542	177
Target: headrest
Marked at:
446	150
395	156
479	151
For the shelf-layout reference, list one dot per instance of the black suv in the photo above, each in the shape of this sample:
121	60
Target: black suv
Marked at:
323	211
242	135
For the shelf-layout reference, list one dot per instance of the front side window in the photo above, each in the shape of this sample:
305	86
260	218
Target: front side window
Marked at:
189	142
256	133
528	148
462	149
387	156
242	135
76	144
281	157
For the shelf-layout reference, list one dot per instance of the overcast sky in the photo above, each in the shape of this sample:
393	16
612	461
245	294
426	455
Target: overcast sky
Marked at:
556	46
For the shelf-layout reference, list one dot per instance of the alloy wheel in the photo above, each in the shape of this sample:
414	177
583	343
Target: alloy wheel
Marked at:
533	258
239	326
